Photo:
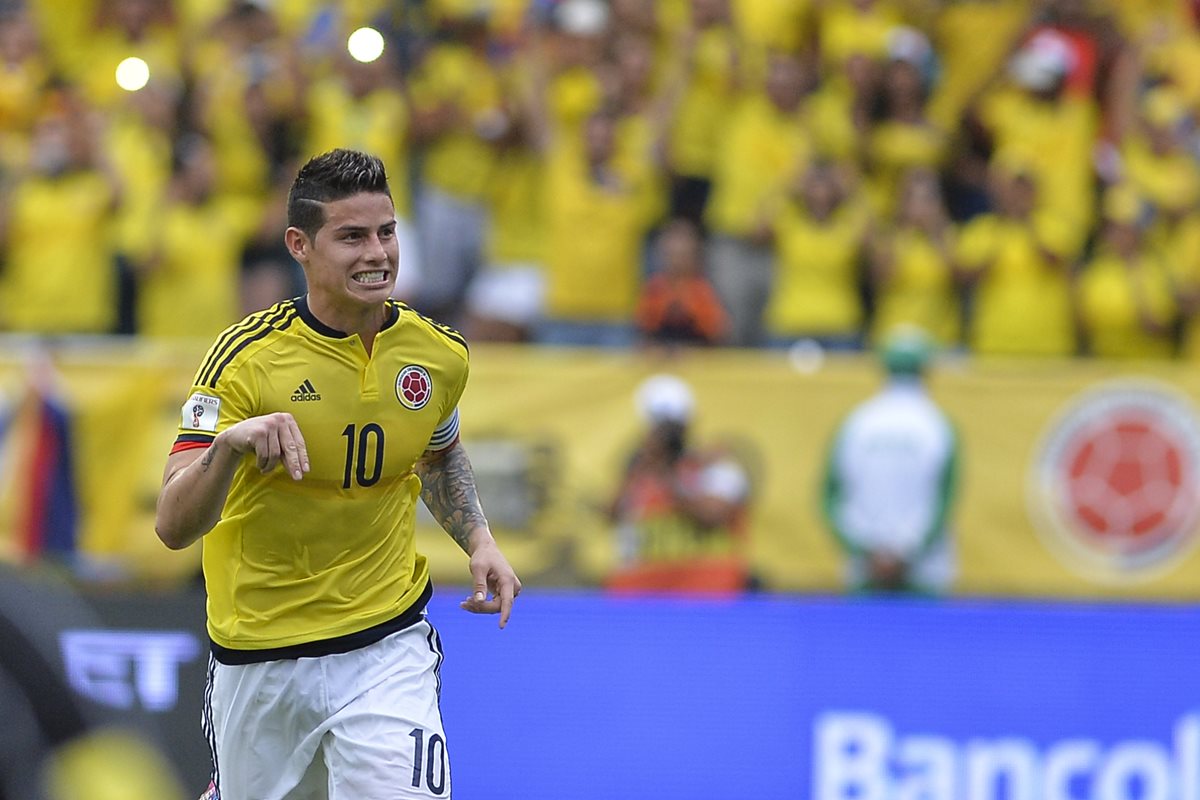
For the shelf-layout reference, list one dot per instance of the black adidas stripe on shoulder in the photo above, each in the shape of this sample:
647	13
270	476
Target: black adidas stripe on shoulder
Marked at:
227	336
277	318
251	323
445	330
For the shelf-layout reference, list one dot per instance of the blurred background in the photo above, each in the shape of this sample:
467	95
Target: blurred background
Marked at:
833	373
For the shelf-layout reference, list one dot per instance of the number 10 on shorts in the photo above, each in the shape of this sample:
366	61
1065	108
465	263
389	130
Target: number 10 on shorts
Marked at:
432	758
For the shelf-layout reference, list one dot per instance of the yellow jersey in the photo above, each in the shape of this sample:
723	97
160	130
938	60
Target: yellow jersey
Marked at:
328	563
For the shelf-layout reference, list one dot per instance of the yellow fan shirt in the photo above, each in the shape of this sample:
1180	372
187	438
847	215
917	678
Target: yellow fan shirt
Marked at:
1112	299
761	153
60	273
816	280
184	296
701	114
1023	302
594	239
459	162
919	291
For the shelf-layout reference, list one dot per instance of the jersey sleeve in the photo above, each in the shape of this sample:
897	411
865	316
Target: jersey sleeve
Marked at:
445	435
208	410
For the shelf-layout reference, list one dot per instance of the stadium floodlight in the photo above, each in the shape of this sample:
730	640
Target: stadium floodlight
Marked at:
365	45
133	74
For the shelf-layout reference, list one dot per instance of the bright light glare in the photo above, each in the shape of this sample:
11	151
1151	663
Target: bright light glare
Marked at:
365	45
133	74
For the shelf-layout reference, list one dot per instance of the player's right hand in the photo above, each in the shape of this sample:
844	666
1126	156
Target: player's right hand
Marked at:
274	439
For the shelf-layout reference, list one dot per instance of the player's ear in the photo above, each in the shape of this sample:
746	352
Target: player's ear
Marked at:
297	242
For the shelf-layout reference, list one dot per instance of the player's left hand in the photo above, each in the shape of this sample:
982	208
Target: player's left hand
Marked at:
492	574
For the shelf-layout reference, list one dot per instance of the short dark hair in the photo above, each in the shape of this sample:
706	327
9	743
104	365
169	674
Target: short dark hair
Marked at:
331	176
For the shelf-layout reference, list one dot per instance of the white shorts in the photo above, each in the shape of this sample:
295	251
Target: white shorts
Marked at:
348	726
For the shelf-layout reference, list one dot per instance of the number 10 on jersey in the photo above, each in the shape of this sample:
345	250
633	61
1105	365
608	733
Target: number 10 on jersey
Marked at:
364	455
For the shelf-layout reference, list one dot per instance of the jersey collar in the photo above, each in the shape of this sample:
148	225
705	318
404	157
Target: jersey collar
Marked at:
305	313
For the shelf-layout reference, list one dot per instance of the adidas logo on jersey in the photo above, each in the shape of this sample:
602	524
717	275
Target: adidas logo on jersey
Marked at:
305	392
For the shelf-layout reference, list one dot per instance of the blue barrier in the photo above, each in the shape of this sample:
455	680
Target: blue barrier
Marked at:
586	696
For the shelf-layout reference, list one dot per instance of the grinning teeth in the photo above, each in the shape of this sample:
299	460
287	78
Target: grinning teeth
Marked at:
370	277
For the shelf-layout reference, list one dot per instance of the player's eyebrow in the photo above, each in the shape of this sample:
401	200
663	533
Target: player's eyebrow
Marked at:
352	228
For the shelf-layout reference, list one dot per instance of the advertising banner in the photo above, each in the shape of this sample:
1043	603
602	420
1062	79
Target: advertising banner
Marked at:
1079	478
590	697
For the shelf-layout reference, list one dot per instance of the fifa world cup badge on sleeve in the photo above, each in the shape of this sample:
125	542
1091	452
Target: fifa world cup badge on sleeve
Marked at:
200	413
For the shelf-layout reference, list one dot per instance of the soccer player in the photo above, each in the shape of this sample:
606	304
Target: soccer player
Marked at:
309	432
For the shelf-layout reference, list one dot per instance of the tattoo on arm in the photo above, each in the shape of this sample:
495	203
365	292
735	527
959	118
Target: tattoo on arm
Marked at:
448	489
209	454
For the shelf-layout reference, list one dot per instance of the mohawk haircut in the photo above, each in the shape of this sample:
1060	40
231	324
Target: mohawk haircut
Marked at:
332	176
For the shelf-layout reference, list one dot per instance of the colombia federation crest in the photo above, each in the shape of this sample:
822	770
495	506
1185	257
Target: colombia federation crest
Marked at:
413	387
1114	487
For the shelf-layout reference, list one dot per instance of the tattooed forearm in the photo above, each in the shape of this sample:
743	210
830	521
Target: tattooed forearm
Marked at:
209	455
448	489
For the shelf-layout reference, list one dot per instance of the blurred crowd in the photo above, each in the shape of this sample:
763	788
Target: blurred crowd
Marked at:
1013	176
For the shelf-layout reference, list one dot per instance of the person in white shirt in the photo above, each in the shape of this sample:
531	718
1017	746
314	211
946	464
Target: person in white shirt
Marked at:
891	479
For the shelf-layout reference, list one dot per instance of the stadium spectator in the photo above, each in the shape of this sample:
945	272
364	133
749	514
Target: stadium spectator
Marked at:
364	106
710	51
1156	159
248	97
123	28
1039	115
643	105
818	251
506	299
140	139
25	74
680	512
1073	91
1014	264
766	144
678	305
324	667
192	206
459	119
903	137
911	265
971	39
60	273
1178	245
595	228
1124	295
859	28
891	479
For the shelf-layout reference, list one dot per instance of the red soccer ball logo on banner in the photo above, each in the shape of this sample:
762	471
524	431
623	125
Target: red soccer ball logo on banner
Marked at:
1114	486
